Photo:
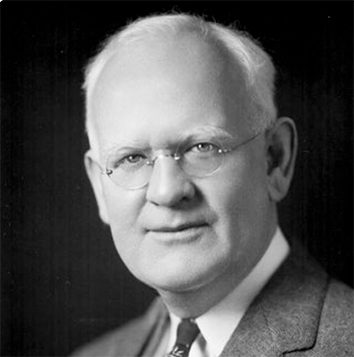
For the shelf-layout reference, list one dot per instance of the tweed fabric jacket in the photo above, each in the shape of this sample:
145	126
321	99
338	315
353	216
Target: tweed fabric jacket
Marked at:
301	312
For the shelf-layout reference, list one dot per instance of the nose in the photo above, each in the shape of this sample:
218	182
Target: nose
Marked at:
168	184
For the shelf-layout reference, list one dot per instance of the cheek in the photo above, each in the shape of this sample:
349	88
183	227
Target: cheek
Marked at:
123	209
239	197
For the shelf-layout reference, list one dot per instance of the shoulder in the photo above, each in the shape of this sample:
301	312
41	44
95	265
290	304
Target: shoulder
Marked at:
308	312
126	340
337	293
335	333
337	318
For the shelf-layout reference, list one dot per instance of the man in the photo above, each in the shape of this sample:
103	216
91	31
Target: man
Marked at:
188	161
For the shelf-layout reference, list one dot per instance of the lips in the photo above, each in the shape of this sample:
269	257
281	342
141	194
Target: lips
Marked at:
178	228
183	233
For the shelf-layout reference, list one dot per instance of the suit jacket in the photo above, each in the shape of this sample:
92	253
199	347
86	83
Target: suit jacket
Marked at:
300	312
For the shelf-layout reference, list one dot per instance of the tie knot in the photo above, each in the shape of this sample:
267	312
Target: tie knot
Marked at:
187	332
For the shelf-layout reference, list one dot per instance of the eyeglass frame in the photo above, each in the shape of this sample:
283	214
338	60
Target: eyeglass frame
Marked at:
177	156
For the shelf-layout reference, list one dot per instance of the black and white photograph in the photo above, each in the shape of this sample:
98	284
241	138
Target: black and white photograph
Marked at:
177	178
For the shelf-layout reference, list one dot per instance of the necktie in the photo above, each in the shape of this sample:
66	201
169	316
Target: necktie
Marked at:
187	332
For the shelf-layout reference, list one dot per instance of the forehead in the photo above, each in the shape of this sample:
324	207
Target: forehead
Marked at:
156	91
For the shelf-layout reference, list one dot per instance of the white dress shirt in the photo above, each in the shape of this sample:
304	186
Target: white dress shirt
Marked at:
217	324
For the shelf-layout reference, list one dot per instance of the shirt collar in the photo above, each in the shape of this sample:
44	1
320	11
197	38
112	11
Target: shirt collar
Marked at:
227	314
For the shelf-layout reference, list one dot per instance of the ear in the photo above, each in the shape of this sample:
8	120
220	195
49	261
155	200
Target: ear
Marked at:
281	155
94	174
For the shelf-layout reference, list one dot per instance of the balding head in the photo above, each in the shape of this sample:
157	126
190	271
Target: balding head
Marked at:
166	43
146	75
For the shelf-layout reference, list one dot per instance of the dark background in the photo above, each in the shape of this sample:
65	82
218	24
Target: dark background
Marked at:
62	281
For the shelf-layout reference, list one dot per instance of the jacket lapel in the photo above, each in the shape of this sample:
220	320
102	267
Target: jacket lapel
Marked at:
252	337
141	337
285	316
161	324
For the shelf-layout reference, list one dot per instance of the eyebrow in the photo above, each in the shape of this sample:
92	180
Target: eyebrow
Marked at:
217	133
117	147
221	135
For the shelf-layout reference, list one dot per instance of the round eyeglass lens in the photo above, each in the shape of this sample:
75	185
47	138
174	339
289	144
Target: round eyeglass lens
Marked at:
201	159
130	172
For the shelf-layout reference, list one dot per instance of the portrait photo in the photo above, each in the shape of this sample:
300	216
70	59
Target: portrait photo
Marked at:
177	178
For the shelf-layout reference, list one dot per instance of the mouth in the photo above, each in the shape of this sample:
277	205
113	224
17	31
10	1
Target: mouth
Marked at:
179	228
182	233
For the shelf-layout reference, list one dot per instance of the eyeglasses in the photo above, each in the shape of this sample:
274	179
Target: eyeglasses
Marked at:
132	170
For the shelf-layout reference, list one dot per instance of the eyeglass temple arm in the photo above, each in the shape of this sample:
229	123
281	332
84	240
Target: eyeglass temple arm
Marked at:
242	143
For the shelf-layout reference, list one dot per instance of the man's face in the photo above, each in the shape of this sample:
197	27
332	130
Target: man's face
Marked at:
181	233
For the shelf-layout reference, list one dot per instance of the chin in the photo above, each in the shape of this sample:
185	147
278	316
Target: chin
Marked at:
181	277
177	284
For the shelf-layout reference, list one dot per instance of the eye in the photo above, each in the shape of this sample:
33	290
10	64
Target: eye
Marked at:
133	159
204	148
129	161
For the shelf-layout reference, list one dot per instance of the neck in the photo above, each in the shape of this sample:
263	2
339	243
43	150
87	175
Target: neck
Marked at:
193	303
